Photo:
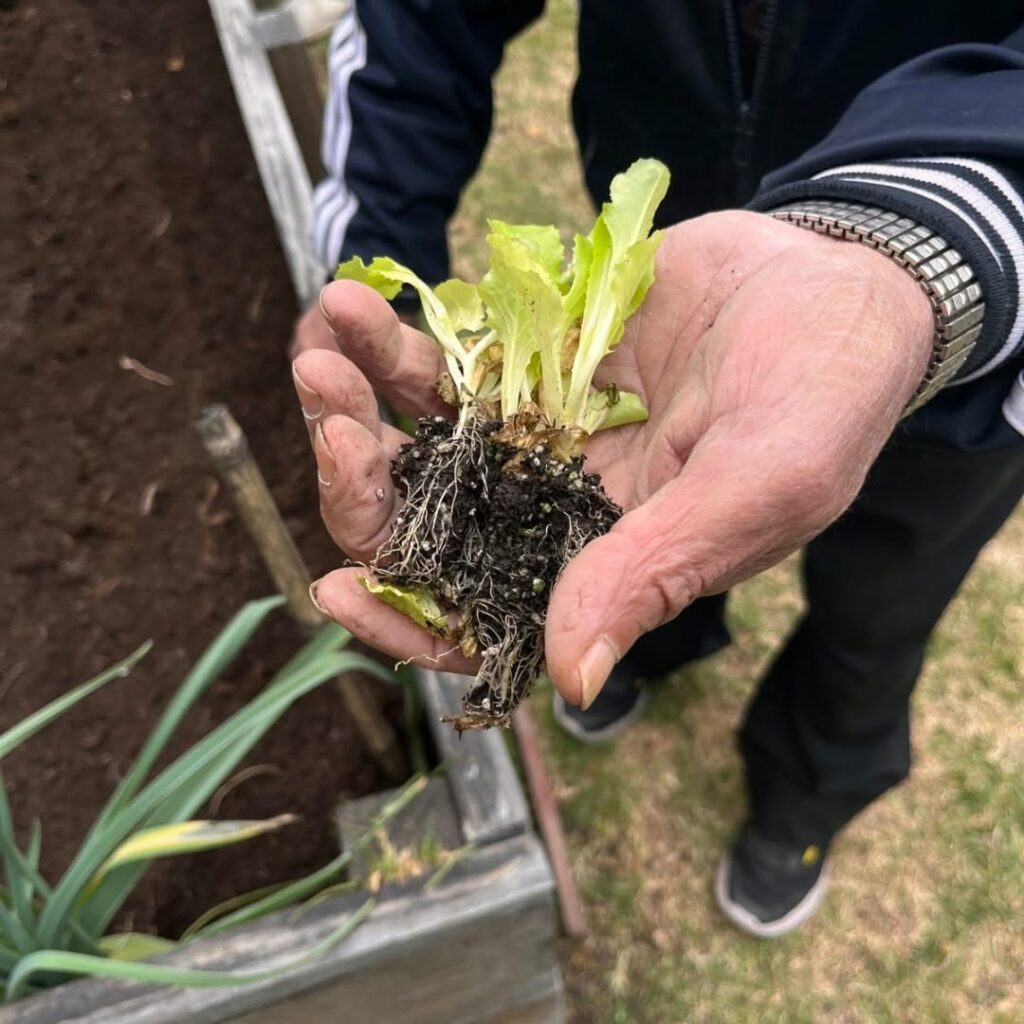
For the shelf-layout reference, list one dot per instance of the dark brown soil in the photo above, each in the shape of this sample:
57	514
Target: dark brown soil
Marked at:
135	225
510	506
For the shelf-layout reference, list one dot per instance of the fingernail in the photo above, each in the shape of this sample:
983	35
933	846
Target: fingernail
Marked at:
595	668
312	596
325	464
312	403
327	316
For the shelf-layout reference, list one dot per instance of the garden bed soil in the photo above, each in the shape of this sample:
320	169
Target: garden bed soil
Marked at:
137	227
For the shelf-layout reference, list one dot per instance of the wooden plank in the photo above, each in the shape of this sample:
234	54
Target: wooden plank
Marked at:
424	996
285	31
296	21
279	158
296	80
483	779
545	807
479	946
432	815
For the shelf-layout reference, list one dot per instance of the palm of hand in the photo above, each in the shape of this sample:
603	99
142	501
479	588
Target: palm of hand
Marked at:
727	340
774	364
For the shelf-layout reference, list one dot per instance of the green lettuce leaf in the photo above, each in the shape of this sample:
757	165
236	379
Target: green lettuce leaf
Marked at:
553	326
611	407
542	242
462	303
416	603
618	261
524	309
386	277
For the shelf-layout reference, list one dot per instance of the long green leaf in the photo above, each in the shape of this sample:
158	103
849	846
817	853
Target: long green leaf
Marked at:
303	888
15	933
177	792
323	895
228	906
185	837
214	660
11	855
28	727
158	974
183	802
329	638
23	887
619	269
185	775
524	306
387	277
9	850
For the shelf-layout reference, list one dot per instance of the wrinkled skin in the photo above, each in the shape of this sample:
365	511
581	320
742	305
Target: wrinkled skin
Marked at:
775	364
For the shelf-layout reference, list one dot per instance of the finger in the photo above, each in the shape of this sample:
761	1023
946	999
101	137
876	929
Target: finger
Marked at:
328	385
736	508
311	332
340	596
358	501
401	363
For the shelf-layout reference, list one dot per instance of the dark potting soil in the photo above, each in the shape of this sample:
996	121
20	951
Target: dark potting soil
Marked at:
505	514
135	225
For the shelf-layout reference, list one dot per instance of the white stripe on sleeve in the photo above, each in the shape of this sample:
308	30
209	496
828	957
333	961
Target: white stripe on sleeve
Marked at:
334	204
1013	407
979	211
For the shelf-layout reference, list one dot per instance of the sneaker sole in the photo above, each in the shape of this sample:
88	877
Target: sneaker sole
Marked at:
596	737
747	922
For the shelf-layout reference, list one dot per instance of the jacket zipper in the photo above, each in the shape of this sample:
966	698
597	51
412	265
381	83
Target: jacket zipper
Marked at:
748	105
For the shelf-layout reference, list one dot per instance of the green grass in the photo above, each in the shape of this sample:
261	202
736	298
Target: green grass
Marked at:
923	923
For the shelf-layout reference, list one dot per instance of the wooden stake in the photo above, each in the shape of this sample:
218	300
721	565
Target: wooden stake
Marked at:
229	451
544	806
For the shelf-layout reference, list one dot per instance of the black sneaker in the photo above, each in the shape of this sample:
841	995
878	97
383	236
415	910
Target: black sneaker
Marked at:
769	888
621	701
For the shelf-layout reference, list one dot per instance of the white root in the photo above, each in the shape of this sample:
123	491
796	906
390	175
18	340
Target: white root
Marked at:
438	543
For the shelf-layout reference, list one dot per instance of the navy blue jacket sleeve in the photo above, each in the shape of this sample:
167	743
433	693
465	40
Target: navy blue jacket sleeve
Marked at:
939	139
407	118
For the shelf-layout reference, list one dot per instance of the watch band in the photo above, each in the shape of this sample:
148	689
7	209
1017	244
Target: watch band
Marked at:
943	274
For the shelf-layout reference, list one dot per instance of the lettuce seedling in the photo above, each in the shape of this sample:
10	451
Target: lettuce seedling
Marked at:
497	501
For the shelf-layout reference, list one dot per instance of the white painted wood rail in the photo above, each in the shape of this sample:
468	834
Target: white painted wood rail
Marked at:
246	36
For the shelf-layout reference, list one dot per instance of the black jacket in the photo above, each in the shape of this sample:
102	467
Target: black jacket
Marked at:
747	101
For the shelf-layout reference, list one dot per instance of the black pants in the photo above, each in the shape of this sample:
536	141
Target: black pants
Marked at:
828	729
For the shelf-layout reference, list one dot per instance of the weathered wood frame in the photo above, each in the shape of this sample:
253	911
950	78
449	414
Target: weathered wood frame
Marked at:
254	41
477	949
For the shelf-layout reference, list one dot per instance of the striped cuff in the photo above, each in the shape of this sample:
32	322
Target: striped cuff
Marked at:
974	206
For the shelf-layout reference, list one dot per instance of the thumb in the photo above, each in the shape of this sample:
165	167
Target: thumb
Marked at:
619	587
720	521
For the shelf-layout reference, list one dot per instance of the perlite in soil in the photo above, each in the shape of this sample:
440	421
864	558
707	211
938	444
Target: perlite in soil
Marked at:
497	500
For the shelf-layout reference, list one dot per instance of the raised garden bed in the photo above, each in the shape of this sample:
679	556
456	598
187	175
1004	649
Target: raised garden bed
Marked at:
142	231
140	228
477	948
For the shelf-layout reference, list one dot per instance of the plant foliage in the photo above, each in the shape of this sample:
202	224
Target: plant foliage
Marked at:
49	932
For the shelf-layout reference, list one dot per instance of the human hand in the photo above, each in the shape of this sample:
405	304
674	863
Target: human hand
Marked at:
775	363
312	331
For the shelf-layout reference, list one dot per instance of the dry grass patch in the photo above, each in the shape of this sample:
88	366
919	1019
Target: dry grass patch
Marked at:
922	924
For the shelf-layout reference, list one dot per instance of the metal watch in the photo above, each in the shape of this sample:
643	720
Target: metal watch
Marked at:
943	274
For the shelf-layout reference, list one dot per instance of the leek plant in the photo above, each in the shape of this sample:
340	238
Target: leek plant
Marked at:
496	501
52	931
